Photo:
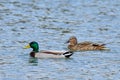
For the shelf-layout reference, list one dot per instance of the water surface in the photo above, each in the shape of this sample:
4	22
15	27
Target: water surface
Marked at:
51	23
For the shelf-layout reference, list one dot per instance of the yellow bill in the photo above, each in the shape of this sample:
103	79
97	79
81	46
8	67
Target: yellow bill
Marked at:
27	46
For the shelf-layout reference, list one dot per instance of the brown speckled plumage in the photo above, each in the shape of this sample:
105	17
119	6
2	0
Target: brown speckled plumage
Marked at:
83	46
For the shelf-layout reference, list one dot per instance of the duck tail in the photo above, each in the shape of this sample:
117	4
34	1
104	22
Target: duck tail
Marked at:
68	54
103	47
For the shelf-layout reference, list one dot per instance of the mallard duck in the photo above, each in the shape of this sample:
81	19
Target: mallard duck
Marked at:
46	53
84	46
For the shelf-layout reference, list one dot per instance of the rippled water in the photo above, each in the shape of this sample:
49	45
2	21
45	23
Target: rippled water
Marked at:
51	23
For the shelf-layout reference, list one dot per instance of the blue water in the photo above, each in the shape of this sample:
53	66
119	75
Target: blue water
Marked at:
51	23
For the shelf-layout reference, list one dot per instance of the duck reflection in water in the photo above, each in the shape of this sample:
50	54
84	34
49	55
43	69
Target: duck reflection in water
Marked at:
33	61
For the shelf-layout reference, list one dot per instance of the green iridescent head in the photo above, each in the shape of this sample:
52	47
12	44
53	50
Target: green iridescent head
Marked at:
34	45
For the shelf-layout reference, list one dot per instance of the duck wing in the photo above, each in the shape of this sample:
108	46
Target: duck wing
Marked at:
53	52
91	46
85	43
90	43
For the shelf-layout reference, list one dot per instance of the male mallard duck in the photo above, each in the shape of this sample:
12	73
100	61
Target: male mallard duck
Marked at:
46	53
84	46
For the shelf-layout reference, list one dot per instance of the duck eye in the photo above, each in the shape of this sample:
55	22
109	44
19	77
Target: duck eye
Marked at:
32	42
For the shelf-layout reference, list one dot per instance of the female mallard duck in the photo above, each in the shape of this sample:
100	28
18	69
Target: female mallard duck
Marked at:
84	46
46	54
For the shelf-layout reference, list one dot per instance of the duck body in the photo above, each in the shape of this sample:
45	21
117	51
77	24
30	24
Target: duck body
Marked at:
47	53
51	54
84	46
